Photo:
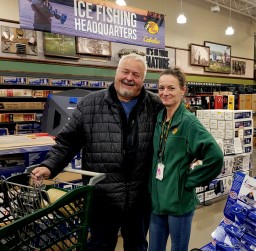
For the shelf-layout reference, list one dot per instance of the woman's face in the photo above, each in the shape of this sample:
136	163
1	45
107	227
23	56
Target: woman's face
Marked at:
169	91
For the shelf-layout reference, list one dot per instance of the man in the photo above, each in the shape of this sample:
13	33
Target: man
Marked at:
42	15
115	128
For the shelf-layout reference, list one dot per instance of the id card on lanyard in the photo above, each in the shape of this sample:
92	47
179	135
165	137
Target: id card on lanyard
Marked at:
163	138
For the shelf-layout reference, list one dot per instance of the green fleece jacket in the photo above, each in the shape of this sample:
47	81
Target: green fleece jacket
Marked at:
187	140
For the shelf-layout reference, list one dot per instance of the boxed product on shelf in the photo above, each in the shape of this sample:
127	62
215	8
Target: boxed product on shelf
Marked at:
151	85
231	102
14	80
97	84
11	170
21	105
24	117
41	93
242	162
227	168
60	82
6	117
79	83
237	229
15	93
238	114
224	182
38	81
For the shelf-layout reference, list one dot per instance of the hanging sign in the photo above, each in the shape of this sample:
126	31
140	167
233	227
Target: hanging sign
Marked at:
95	19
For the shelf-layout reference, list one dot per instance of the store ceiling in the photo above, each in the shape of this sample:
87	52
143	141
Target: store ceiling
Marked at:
244	7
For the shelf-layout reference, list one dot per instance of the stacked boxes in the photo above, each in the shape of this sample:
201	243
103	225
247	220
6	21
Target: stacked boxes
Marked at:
233	131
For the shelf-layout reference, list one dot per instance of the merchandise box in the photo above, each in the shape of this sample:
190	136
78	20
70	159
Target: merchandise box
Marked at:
199	114
14	80
15	93
213	124
231	102
225	182
151	85
218	102
220	114
237	229
18	117
221	133
100	84
254	102
241	102
35	157
242	162
222	125
11	170
41	93
229	134
21	105
214	133
248	101
238	114
223	93
79	83
38	81
59	82
245	123
214	114
206	123
229	124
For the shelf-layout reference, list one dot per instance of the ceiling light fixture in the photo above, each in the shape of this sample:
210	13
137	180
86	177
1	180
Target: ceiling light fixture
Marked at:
121	2
181	19
229	31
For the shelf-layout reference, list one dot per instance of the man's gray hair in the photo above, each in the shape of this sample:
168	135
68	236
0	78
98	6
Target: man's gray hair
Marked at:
136	57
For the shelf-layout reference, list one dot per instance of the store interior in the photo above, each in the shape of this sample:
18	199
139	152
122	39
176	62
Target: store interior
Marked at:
30	78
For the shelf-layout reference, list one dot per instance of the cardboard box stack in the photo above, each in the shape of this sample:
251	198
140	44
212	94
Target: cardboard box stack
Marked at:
233	131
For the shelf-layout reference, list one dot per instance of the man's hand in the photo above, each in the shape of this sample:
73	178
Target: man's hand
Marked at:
40	173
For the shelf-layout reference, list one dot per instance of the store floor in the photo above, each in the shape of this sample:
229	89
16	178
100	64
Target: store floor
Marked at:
206	219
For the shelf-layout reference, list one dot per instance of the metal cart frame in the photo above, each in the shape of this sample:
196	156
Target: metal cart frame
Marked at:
62	225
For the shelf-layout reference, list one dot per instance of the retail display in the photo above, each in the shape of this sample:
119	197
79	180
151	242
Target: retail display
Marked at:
233	131
237	229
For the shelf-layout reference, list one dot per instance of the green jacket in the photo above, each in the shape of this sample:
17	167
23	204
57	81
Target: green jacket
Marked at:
187	140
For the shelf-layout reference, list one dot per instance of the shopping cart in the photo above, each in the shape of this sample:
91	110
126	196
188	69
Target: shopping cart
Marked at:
36	218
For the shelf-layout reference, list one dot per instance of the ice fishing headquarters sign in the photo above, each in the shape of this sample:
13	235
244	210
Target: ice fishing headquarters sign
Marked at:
95	19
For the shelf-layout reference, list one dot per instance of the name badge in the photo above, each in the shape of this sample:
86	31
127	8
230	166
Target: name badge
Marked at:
160	171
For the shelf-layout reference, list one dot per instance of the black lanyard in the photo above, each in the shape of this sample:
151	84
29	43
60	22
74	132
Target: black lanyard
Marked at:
163	138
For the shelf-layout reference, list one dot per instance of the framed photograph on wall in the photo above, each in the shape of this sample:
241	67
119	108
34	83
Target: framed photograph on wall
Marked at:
199	55
59	45
93	47
220	58
238	67
18	41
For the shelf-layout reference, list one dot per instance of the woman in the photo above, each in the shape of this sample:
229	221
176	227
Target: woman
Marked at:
179	139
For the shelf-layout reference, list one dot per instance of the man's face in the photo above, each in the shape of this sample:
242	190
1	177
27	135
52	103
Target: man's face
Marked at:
129	79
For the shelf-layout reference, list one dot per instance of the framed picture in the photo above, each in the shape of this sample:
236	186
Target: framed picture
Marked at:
18	41
238	67
220	58
93	47
59	45
199	55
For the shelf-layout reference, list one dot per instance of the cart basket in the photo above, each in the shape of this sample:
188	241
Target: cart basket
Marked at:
62	225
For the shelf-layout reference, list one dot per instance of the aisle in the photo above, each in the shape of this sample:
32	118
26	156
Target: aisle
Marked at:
205	221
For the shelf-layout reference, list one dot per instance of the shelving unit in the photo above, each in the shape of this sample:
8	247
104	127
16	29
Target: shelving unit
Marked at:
17	98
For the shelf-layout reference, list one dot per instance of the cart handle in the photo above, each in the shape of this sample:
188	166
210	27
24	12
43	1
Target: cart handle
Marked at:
97	177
